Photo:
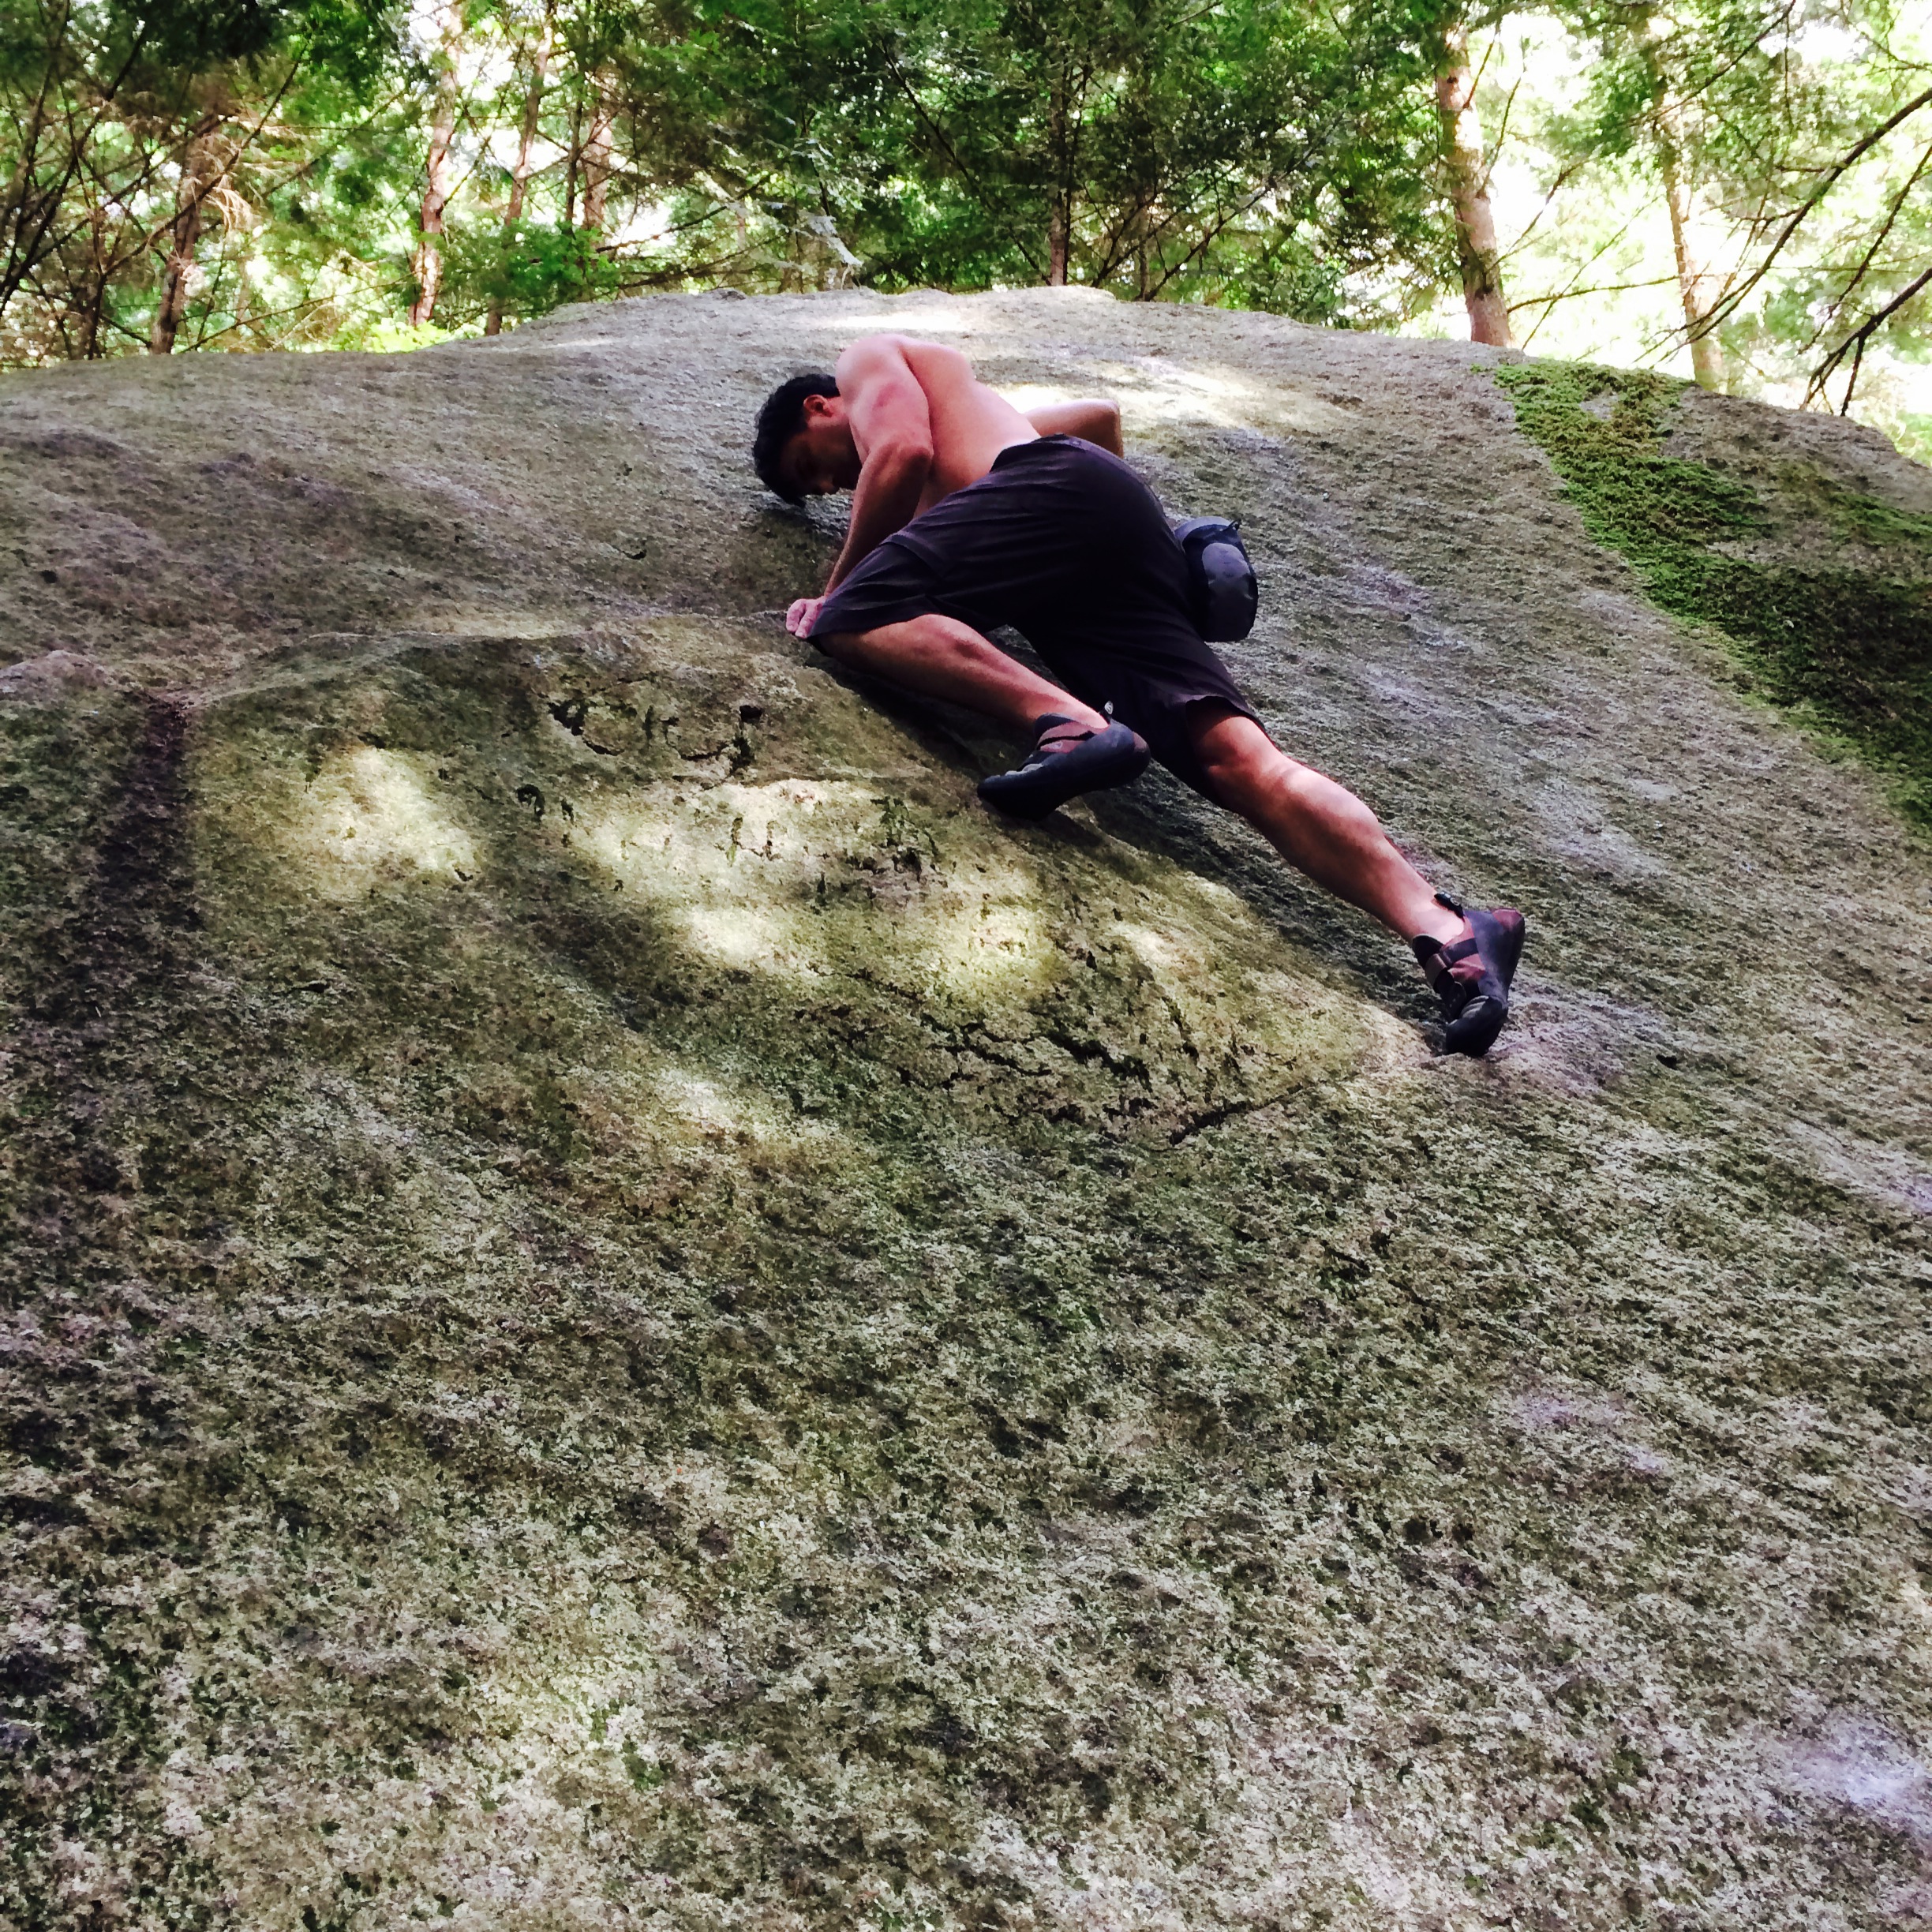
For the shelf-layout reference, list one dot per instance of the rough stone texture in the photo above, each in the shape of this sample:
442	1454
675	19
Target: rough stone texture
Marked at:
626	1313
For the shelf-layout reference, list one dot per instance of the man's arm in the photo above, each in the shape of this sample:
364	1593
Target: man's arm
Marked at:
1092	422
892	428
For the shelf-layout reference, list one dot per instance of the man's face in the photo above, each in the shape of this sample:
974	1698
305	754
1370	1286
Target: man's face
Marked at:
822	457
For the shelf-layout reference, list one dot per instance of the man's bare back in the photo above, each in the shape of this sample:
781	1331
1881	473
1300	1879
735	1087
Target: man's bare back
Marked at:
900	396
910	425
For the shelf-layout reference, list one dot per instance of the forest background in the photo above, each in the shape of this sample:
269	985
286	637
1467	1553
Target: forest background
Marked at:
1738	189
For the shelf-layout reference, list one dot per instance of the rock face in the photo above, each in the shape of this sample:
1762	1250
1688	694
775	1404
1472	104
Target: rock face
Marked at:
625	1312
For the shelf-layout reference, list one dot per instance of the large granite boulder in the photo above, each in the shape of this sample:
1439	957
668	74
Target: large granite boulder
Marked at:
625	1311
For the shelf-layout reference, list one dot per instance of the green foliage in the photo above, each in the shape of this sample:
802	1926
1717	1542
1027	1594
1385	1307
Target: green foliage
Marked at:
527	267
1285	274
1794	143
1247	153
1166	151
1851	649
100	112
268	161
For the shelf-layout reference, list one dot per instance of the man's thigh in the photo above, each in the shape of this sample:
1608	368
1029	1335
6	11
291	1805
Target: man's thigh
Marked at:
1232	749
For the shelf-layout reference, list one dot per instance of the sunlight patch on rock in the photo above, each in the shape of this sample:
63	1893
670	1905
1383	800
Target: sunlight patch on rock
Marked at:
365	817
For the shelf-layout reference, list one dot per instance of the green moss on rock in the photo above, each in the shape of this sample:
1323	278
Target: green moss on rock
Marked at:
1851	649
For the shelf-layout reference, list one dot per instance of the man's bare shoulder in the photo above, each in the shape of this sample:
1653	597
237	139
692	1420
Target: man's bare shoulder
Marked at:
887	351
890	340
871	349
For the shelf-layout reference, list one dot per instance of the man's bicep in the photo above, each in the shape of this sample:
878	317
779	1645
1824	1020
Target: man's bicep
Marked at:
883	398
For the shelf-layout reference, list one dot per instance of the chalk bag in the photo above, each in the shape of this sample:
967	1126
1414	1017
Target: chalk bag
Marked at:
1221	581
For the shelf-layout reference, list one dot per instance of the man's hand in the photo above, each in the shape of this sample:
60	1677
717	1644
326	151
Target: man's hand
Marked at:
802	615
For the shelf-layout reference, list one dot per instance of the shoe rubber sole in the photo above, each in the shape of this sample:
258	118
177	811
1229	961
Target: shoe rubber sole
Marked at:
1498	935
1116	756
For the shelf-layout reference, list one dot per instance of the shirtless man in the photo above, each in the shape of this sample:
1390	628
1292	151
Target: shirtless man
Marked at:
967	515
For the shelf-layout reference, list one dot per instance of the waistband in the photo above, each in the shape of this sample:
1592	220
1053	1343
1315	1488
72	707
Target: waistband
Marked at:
1016	452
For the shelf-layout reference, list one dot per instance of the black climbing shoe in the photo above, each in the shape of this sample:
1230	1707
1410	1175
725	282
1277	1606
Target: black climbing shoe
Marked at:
1096	760
1472	974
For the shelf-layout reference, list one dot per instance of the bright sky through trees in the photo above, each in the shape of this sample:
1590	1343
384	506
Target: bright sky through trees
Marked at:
1586	237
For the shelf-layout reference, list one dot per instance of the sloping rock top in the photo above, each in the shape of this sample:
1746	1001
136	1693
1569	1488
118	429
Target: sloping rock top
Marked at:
627	1312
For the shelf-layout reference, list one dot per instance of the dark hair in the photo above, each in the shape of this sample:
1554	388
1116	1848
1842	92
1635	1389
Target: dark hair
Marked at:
781	418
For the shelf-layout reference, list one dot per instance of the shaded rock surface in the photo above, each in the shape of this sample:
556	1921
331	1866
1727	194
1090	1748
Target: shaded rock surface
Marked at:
623	1311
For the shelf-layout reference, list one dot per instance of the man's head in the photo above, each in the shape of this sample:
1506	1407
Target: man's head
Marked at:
804	445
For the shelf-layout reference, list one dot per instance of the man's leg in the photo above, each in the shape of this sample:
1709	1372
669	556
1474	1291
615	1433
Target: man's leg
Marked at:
940	657
1316	825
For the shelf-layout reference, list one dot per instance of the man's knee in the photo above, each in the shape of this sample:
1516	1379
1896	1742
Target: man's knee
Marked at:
843	645
1236	755
1248	772
865	650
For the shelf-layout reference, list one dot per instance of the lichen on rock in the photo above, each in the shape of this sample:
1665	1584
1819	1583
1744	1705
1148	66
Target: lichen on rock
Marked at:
623	1310
1841	630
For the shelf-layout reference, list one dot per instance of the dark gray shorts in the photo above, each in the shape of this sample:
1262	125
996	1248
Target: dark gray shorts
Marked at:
1066	544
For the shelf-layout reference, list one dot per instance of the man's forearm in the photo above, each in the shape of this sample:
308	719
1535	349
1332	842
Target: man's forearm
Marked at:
1093	420
886	499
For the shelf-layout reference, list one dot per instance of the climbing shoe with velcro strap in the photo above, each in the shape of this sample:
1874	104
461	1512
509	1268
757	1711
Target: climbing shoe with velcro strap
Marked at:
1067	760
1472	974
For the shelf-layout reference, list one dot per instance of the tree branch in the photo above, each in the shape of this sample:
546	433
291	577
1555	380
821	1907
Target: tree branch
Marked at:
1728	303
1855	344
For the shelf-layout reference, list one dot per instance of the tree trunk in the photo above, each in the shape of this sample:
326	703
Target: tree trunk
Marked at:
91	349
1707	357
596	161
520	174
572	160
1058	210
1469	193
1693	285
200	169
428	262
